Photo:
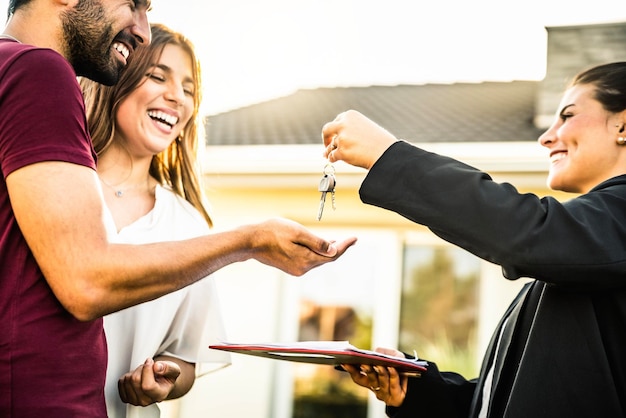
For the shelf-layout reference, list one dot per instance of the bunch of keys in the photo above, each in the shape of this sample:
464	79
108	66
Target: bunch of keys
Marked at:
327	185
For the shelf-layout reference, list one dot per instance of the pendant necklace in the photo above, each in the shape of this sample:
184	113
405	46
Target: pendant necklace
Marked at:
120	192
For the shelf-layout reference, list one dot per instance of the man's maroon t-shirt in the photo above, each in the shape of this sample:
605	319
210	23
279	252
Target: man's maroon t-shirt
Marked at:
51	365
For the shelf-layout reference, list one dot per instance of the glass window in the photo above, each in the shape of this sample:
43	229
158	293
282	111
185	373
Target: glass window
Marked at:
339	302
439	306
322	391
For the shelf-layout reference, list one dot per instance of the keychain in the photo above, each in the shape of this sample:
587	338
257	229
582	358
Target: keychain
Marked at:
327	185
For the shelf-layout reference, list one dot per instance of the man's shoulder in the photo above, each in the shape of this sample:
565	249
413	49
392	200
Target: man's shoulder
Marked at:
24	58
17	49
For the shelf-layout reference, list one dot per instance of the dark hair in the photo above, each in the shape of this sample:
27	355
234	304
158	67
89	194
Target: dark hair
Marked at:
14	5
610	83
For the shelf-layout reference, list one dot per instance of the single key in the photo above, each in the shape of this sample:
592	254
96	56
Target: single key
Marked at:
327	184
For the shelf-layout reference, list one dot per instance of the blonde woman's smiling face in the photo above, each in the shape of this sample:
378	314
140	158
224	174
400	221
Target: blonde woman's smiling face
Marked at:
156	112
582	142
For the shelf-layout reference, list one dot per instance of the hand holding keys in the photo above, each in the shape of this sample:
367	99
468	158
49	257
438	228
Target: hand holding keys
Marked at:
327	185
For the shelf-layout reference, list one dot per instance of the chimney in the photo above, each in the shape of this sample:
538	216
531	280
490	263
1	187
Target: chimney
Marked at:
570	50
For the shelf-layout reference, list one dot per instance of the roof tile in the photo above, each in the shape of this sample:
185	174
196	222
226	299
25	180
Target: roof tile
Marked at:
460	112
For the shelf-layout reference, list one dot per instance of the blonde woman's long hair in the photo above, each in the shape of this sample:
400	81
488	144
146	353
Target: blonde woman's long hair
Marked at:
178	165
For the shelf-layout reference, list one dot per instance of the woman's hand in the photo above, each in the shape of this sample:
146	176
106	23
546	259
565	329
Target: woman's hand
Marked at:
355	139
149	383
387	384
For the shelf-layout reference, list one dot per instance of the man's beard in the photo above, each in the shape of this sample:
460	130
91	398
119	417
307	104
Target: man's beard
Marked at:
88	40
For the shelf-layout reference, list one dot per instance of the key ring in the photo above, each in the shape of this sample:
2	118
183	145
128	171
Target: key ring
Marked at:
329	169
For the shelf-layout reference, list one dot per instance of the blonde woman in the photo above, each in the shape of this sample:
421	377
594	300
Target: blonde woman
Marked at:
145	131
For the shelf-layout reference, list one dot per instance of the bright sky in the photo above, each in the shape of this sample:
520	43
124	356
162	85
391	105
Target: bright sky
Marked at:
255	50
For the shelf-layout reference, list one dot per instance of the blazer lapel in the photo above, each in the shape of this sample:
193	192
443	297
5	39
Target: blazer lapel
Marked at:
501	339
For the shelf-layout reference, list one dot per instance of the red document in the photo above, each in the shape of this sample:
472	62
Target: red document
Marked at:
325	352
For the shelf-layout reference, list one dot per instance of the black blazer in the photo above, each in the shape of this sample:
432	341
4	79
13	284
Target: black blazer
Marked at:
566	354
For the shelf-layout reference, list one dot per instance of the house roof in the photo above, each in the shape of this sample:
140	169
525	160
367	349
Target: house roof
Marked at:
460	112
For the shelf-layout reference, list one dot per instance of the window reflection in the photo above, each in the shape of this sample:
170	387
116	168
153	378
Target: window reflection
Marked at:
439	306
336	303
322	391
438	315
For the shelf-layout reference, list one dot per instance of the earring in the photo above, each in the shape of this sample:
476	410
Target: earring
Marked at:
621	140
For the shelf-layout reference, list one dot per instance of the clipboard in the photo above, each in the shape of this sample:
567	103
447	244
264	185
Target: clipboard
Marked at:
334	353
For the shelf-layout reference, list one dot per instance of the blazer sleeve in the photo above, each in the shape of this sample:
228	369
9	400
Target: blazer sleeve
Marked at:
560	243
436	395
